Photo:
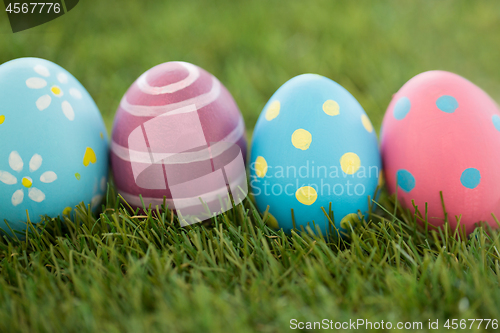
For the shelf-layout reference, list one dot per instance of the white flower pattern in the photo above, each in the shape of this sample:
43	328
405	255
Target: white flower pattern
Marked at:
45	100
16	163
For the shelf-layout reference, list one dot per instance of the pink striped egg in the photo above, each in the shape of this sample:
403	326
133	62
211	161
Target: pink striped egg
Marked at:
441	133
178	134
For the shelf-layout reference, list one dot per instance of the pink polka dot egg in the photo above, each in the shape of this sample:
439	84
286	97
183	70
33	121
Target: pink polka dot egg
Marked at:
441	133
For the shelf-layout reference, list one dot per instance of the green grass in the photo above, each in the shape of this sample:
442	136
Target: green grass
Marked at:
127	272
122	271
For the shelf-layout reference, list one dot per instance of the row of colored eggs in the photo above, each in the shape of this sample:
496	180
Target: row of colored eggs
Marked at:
314	161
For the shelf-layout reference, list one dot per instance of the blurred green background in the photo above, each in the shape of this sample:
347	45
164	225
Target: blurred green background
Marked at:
370	47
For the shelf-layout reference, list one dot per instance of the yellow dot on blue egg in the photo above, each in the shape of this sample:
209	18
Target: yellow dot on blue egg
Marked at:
405	180
331	108
306	195
273	110
447	103
260	166
350	163
470	178
27	182
366	123
2	119
495	119
402	107
301	139
56	91
350	220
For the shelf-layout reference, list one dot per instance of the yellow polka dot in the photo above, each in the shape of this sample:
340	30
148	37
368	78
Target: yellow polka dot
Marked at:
367	123
350	220
306	195
350	163
77	175
56	90
301	139
67	211
260	167
27	182
273	110
89	157
272	222
102	136
331	108
2	119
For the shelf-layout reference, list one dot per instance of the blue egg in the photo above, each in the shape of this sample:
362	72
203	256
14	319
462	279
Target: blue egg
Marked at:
313	145
54	146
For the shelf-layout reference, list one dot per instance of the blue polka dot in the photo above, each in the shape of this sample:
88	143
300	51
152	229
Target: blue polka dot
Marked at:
470	178
402	107
496	121
447	103
405	179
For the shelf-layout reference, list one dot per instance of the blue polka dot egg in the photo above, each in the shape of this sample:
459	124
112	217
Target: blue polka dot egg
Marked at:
314	146
54	143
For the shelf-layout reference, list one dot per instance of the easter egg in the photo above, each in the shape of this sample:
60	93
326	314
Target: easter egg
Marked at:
54	149
313	146
441	133
179	139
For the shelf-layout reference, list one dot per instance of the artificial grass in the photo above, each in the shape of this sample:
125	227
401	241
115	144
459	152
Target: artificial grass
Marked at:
126	271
